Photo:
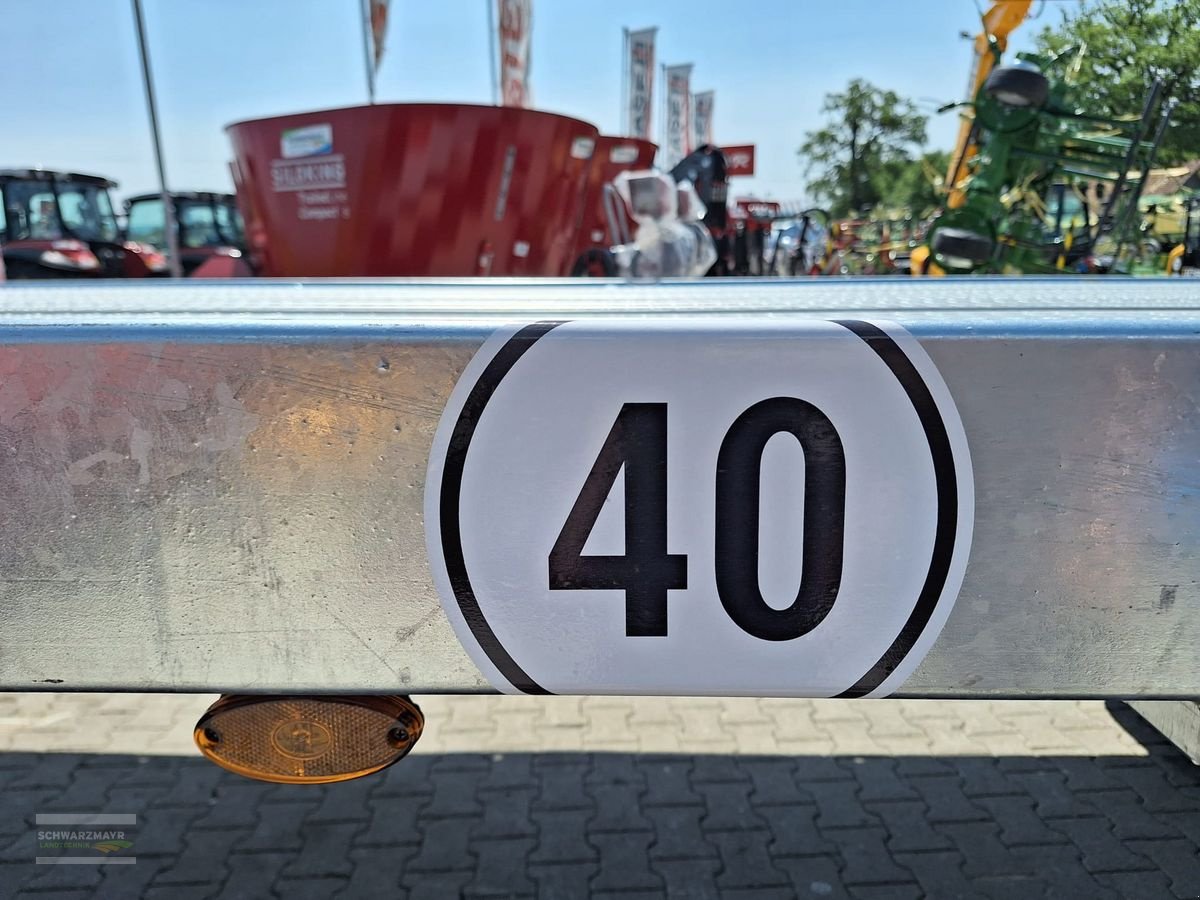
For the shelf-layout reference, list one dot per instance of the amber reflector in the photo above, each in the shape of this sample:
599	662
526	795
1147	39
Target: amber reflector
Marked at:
308	740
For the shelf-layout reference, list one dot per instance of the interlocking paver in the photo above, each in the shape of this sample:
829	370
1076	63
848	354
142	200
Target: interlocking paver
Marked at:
728	805
134	881
506	814
838	805
1101	850
692	879
561	880
668	781
617	809
886	892
1179	860
562	784
677	833
252	875
866	856
377	871
445	847
794	831
1137	885
774	780
547	797
503	868
204	857
393	820
562	837
946	801
326	850
64	878
814	877
908	827
745	862
455	793
625	865
278	826
320	888
939	873
1019	825
1156	791
1060	867
436	885
878	780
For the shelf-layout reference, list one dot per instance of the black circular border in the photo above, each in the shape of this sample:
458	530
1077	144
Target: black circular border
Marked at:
945	478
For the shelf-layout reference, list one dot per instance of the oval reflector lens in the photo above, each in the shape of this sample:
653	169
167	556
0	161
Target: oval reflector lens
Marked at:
308	740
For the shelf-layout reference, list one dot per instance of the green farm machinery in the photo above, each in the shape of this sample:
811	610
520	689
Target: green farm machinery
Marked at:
1040	153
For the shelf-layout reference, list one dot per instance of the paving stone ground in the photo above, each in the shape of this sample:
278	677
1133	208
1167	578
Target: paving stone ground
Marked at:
625	797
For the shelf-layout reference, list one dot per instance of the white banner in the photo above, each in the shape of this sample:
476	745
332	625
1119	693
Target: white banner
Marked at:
702	119
640	72
678	138
516	26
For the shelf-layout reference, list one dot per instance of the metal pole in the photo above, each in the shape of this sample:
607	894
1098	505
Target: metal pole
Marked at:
492	38
367	56
173	262
623	123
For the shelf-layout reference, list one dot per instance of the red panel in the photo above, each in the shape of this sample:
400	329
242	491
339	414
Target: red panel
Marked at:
412	189
613	156
739	159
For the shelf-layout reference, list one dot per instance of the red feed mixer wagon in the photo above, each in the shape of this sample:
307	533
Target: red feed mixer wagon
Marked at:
413	189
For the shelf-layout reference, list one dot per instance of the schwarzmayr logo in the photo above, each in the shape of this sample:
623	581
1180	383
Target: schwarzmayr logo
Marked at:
85	838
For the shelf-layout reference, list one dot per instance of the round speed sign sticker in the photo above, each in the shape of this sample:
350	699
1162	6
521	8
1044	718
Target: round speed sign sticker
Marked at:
691	506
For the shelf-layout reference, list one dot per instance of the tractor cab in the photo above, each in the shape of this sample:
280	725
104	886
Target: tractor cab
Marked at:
62	225
209	224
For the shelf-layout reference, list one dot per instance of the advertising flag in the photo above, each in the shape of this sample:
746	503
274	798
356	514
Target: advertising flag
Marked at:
379	18
702	119
679	130
516	26
639	69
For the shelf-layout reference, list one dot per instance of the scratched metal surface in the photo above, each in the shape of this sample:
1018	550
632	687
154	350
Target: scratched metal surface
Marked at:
219	487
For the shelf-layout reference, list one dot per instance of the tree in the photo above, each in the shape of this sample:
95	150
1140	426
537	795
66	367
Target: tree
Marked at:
868	130
913	184
1128	44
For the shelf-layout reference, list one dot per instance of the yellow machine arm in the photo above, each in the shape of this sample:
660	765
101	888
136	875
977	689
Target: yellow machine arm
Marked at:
1001	19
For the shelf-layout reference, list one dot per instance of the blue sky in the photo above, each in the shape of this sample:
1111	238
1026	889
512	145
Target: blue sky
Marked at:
73	96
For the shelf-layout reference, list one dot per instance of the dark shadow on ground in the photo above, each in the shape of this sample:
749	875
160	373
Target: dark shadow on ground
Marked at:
626	825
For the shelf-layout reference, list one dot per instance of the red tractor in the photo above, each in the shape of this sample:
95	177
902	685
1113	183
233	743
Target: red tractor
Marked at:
62	225
212	238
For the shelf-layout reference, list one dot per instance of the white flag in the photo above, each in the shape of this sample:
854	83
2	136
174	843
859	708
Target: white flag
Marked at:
640	72
702	119
679	130
516	26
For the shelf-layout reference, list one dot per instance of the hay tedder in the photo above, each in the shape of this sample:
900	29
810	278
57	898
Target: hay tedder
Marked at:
1029	149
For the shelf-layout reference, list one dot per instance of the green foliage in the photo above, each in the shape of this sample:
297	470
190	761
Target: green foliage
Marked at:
869	131
912	184
1130	43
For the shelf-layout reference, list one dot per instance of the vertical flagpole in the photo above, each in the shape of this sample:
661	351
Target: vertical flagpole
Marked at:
367	56
173	261
492	38
664	121
623	122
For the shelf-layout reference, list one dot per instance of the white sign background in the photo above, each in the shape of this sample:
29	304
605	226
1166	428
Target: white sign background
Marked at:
640	65
678	125
542	429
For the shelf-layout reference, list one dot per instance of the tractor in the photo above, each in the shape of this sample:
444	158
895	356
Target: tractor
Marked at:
62	225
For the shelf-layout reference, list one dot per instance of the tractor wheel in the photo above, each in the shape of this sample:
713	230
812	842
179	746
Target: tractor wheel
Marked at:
1018	86
960	244
595	263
